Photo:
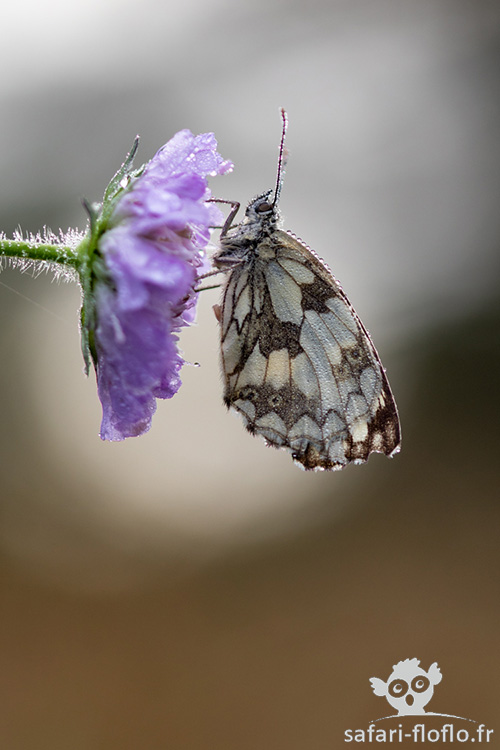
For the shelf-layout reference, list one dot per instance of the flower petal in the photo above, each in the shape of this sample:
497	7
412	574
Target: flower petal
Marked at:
151	252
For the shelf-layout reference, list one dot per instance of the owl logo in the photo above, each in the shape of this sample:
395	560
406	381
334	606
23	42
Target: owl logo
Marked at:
409	688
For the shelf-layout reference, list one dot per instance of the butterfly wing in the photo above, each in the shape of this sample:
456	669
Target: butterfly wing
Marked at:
298	364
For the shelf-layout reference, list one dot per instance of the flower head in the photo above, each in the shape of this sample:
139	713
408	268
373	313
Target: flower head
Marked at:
148	248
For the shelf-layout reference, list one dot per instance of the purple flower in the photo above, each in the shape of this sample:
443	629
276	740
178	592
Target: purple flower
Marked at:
152	251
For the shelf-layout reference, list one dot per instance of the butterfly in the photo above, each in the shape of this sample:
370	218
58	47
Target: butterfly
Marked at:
298	363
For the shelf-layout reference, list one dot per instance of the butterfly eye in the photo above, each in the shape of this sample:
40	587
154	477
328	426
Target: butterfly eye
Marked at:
264	208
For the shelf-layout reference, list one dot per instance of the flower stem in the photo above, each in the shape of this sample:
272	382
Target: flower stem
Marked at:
38	251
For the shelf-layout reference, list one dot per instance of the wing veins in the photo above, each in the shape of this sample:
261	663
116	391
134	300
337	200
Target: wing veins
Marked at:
317	381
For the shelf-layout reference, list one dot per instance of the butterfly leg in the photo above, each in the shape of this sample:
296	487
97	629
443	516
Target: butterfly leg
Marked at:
235	207
205	288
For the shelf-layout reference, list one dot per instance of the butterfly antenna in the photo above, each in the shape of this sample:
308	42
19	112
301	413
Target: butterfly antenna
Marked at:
282	159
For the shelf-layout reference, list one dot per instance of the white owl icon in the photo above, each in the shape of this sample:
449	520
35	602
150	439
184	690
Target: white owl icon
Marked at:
409	688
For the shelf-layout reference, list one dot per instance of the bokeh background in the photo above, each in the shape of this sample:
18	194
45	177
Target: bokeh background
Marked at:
192	588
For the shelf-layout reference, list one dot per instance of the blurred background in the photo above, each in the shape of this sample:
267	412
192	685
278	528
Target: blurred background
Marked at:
192	588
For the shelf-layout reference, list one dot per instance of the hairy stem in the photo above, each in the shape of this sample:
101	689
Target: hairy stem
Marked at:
38	251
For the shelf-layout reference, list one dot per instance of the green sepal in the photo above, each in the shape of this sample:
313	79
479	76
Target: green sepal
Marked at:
91	265
123	176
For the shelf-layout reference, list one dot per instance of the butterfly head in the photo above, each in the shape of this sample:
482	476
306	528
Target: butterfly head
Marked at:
262	211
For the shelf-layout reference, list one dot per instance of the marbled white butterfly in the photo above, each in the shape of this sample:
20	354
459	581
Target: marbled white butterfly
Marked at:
298	363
